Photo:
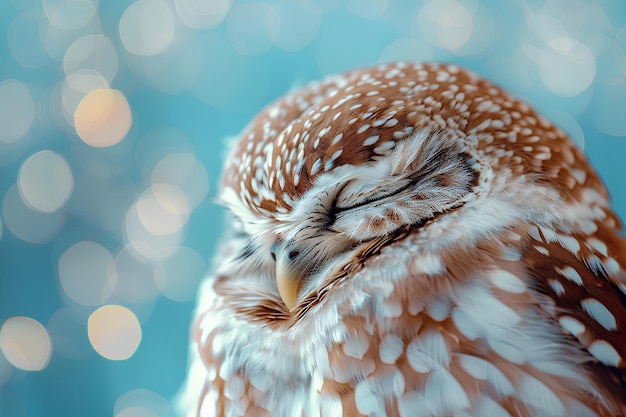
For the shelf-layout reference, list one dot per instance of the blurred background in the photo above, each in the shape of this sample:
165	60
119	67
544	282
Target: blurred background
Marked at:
114	120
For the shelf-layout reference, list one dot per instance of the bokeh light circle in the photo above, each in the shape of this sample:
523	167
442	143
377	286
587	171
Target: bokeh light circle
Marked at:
164	209
68	21
367	9
66	328
25	343
95	52
567	67
186	172
17	110
76	86
71	14
147	27
454	26
154	224
51	6
246	28
86	273
24	42
45	181
114	332
293	24
6	372
174	71
27	224
51	109
446	24
202	14
134	278
156	144
103	118
142	403
485	34
179	276
609	118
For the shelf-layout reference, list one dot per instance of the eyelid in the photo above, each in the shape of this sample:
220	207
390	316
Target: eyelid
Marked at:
365	201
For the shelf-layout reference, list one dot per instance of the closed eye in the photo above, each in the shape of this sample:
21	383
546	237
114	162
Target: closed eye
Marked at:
427	172
370	200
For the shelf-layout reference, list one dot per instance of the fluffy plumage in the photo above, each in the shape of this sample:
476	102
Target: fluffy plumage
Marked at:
410	240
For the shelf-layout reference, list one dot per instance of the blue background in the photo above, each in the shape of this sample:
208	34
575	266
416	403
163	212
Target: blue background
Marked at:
201	82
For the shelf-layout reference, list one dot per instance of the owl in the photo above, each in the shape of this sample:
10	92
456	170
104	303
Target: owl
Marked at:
410	240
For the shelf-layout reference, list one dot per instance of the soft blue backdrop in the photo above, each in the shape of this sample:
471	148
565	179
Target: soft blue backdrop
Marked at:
193	74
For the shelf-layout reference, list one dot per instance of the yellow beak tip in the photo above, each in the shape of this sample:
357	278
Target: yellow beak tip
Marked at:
288	292
288	285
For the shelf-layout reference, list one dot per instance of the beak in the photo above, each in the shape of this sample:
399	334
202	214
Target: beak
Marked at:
287	276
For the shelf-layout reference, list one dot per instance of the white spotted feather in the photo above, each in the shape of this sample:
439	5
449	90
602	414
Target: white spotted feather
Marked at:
449	252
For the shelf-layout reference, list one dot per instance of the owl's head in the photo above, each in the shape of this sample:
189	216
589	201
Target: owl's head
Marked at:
330	174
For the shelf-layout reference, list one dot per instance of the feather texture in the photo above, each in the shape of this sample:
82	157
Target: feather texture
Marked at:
450	253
